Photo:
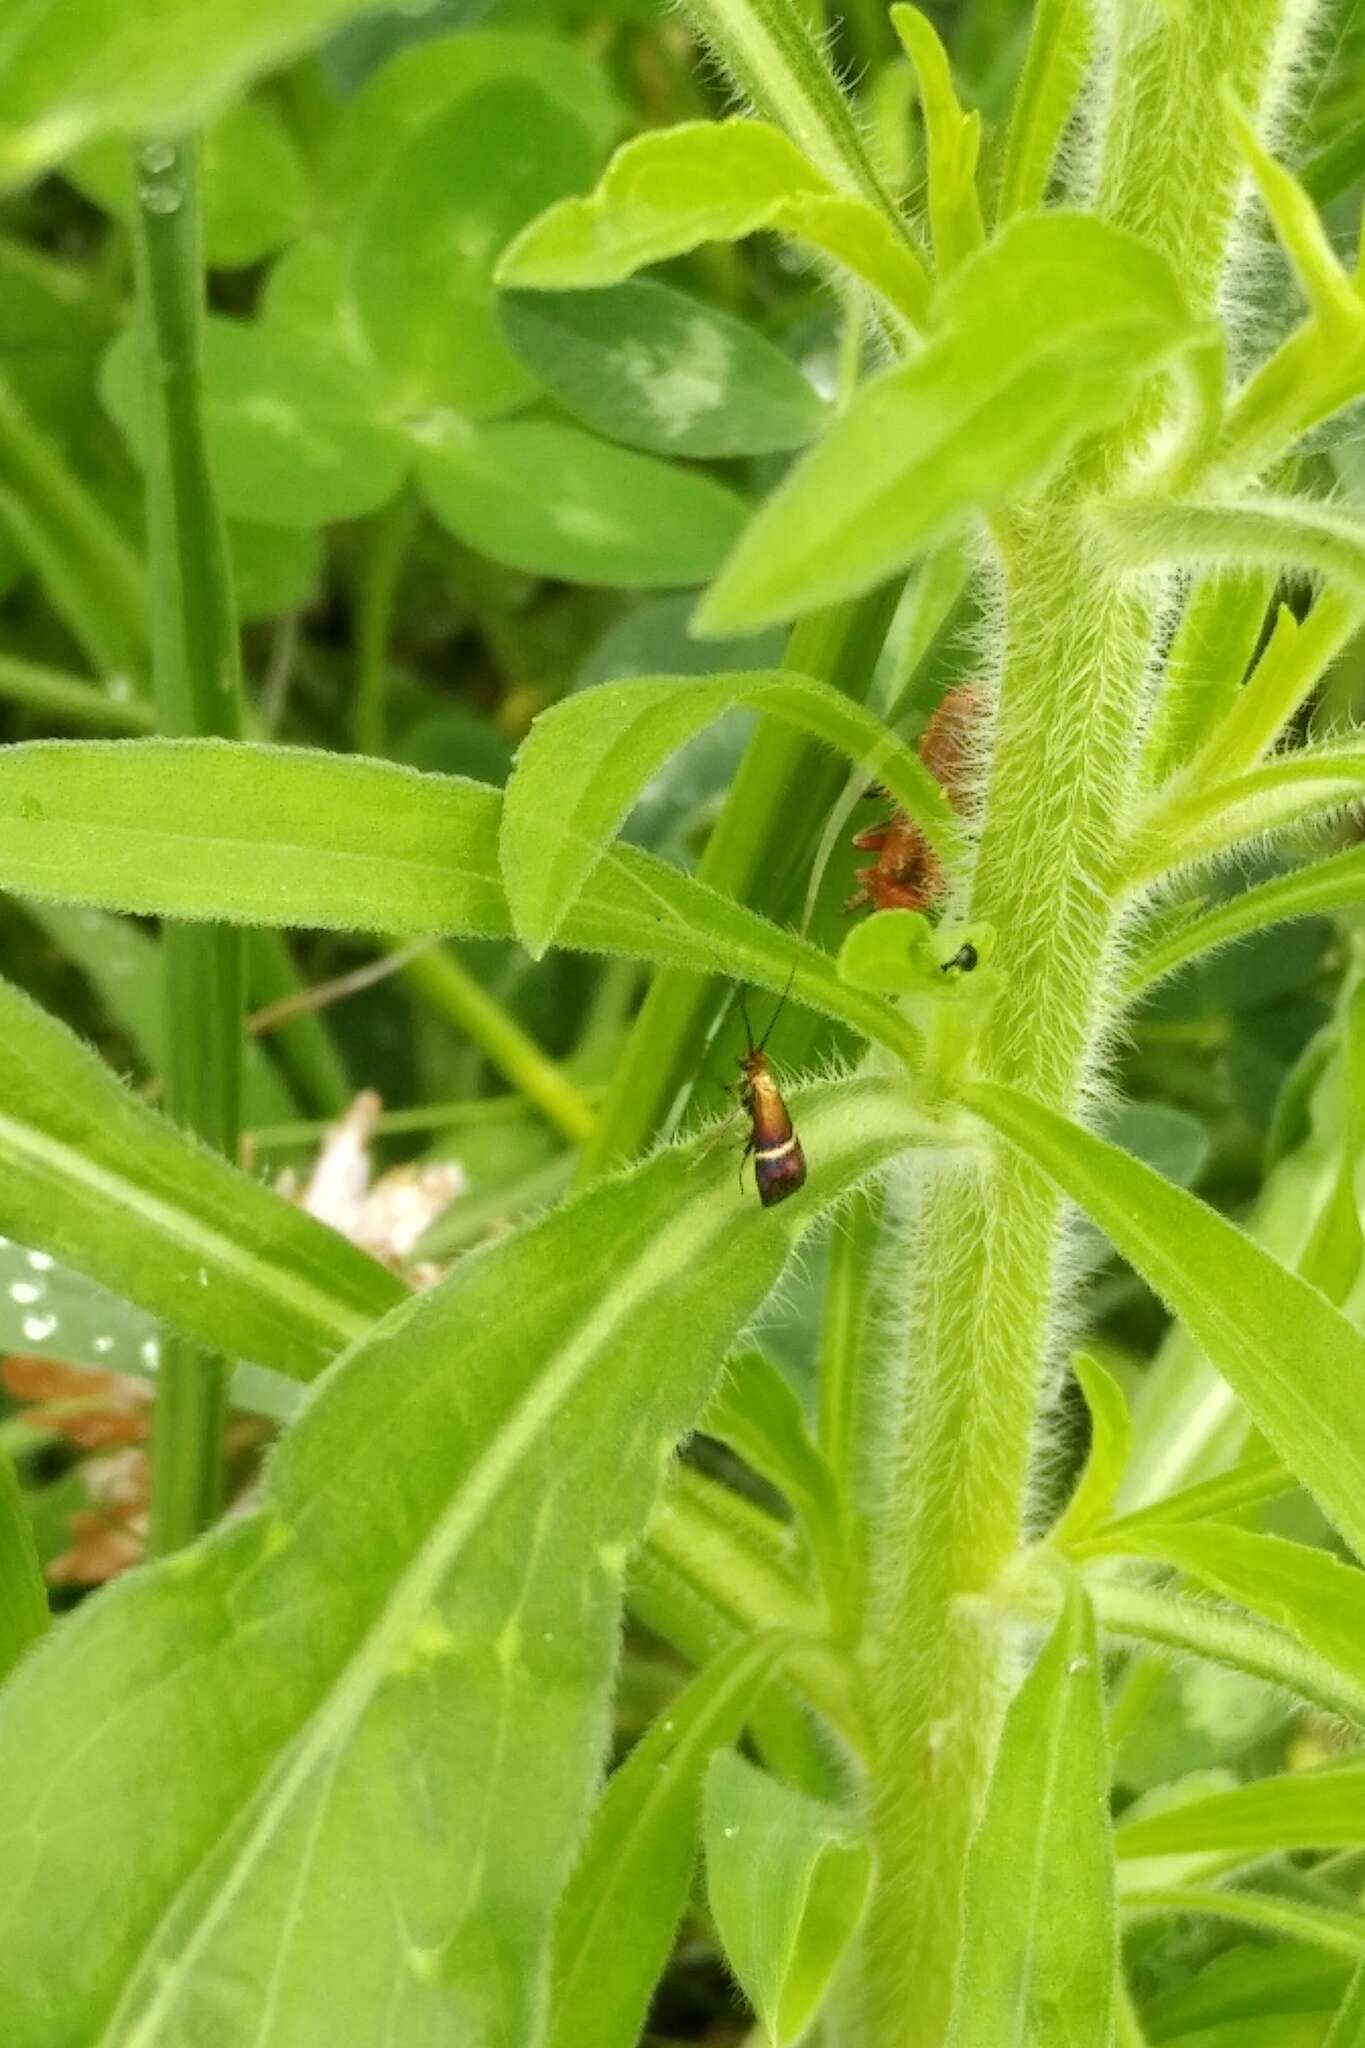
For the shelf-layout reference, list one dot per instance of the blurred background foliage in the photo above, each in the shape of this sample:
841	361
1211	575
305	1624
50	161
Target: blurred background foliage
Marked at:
447	510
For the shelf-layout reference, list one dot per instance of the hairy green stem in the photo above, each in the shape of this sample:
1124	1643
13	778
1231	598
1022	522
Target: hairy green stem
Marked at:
983	1242
197	686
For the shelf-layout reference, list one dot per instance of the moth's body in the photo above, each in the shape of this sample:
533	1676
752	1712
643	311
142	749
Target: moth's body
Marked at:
779	1162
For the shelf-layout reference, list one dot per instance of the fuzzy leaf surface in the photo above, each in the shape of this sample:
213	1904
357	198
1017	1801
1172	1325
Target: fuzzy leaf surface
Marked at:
94	1178
1298	1810
586	760
281	836
787	1878
628	1891
452	1515
1040	1942
1294	1360
1036	342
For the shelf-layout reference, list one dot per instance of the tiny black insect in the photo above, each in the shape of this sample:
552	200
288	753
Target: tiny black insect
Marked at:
966	957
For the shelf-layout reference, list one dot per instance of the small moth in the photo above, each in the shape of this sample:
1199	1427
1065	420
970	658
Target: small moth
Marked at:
779	1162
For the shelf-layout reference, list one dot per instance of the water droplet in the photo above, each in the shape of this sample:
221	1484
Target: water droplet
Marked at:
160	197
103	1345
1078	1664
25	1291
38	1327
41	1262
203	1276
730	1830
150	1353
29	807
157	156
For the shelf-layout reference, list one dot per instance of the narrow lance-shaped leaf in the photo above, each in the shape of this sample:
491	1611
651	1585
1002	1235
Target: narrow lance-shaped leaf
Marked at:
586	760
452	1514
1111	1438
1293	785
787	1878
1294	1360
1039	340
1296	1810
1039	1941
1058	52
1307	1591
1348	2028
757	1412
93	1177
1337	883
1276	533
954	142
628	1891
281	836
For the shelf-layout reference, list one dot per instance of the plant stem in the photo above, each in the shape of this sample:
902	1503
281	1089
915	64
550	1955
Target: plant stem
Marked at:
452	989
983	1243
386	546
91	574
197	685
71	699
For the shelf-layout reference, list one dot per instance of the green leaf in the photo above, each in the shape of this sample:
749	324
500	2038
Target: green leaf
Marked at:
1348	2028
1202	674
124	967
954	142
622	1905
786	1880
861	238
586	760
1041	339
1111	1439
1210	821
130	65
1332	1257
23	1596
658	369
452	1515
662	195
1294	659
554	500
423	81
292	433
253	188
424	245
1269	532
1284	1350
1331	293
270	835
1040	1944
1337	883
1318	1599
757	1413
1297	1810
1054	70
95	1179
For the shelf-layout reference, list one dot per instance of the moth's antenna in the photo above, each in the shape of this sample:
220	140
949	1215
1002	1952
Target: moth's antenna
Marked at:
781	1006
744	1013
